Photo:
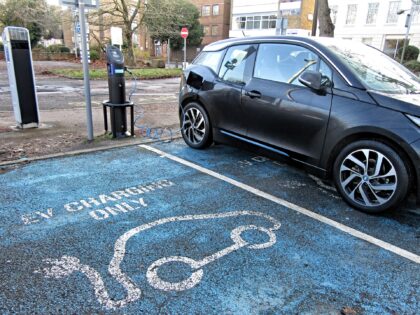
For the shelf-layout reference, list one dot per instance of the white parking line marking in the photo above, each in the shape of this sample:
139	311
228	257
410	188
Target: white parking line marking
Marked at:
363	236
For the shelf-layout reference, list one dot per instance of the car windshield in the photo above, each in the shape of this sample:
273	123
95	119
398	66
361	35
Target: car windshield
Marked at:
376	70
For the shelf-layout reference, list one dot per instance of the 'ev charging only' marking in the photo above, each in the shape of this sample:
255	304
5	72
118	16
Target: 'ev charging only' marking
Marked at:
344	228
102	206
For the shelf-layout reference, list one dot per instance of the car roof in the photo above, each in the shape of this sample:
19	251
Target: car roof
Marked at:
221	44
317	43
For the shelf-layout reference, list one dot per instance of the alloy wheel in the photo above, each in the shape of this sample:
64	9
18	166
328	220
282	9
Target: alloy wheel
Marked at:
194	125
368	177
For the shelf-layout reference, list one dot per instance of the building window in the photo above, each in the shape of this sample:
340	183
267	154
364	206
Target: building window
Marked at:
415	18
372	13
333	13
394	6
216	9
290	12
256	22
249	22
206	30
240	22
351	14
367	41
214	30
392	46
205	10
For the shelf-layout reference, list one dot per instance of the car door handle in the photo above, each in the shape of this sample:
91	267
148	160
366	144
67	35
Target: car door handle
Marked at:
253	94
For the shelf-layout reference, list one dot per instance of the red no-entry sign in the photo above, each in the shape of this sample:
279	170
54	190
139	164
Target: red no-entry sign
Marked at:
184	32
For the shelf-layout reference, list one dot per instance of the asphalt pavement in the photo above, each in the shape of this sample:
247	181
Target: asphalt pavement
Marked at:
171	230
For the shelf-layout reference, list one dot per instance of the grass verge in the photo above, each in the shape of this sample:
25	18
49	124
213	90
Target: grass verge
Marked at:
146	73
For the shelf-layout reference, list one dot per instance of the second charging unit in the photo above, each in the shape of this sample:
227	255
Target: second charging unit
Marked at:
17	50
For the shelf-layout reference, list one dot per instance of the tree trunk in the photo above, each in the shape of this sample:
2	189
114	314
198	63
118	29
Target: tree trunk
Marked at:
130	60
326	27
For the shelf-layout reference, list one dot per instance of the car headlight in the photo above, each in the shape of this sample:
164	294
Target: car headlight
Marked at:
414	119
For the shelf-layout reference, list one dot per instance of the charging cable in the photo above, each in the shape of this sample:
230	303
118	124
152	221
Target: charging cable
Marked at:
156	133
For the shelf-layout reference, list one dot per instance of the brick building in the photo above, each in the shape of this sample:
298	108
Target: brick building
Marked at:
215	19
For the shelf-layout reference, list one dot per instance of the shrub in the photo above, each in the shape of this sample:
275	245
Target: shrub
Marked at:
411	53
141	54
1	47
158	63
413	65
94	55
58	49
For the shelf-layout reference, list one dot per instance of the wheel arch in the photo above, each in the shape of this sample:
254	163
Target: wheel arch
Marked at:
192	98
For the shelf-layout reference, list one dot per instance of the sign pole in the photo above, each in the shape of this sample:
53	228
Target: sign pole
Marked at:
82	20
184	35
185	52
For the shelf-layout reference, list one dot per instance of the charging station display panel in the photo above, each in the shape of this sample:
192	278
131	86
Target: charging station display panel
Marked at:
21	75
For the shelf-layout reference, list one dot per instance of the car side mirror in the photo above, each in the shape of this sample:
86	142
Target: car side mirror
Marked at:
311	79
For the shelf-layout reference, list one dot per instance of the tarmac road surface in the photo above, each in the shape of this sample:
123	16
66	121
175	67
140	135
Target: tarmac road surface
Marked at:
167	229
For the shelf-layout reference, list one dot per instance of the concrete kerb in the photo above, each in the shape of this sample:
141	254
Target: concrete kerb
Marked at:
85	151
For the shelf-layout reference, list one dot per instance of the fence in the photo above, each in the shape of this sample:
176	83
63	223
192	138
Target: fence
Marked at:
178	55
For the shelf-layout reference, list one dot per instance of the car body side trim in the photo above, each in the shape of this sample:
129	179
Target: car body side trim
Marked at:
267	147
254	142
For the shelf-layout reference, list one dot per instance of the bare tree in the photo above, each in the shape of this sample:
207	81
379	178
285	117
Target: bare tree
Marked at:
326	26
127	14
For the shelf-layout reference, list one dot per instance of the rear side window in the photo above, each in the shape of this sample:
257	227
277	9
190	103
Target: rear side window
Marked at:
209	59
234	65
285	63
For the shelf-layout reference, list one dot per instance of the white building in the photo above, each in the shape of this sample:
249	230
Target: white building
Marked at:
258	17
375	22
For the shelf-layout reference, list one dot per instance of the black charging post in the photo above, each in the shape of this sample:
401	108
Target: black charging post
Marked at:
117	102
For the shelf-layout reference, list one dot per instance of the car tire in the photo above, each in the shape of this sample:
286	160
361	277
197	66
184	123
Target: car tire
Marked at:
196	126
371	176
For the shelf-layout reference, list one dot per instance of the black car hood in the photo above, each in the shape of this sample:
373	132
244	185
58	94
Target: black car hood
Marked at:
406	103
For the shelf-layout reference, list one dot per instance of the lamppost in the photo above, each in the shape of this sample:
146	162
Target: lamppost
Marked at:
279	21
315	18
414	4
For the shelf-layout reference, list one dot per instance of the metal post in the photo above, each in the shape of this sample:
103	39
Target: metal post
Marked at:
315	19
185	53
409	16
86	70
168	51
279	21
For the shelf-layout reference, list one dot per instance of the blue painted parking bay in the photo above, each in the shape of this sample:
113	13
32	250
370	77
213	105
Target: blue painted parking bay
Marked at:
168	229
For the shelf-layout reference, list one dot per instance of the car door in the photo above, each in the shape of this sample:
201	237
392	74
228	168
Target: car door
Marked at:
279	110
225	96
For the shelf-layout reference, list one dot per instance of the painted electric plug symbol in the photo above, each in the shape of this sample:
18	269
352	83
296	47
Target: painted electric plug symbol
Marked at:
66	265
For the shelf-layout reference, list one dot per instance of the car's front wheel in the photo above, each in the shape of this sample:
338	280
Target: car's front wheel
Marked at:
371	176
195	126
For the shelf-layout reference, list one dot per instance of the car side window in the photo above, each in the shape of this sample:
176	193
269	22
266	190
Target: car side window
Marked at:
326	71
285	63
233	68
209	59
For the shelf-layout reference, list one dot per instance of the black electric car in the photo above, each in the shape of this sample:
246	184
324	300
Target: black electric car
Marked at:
343	109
